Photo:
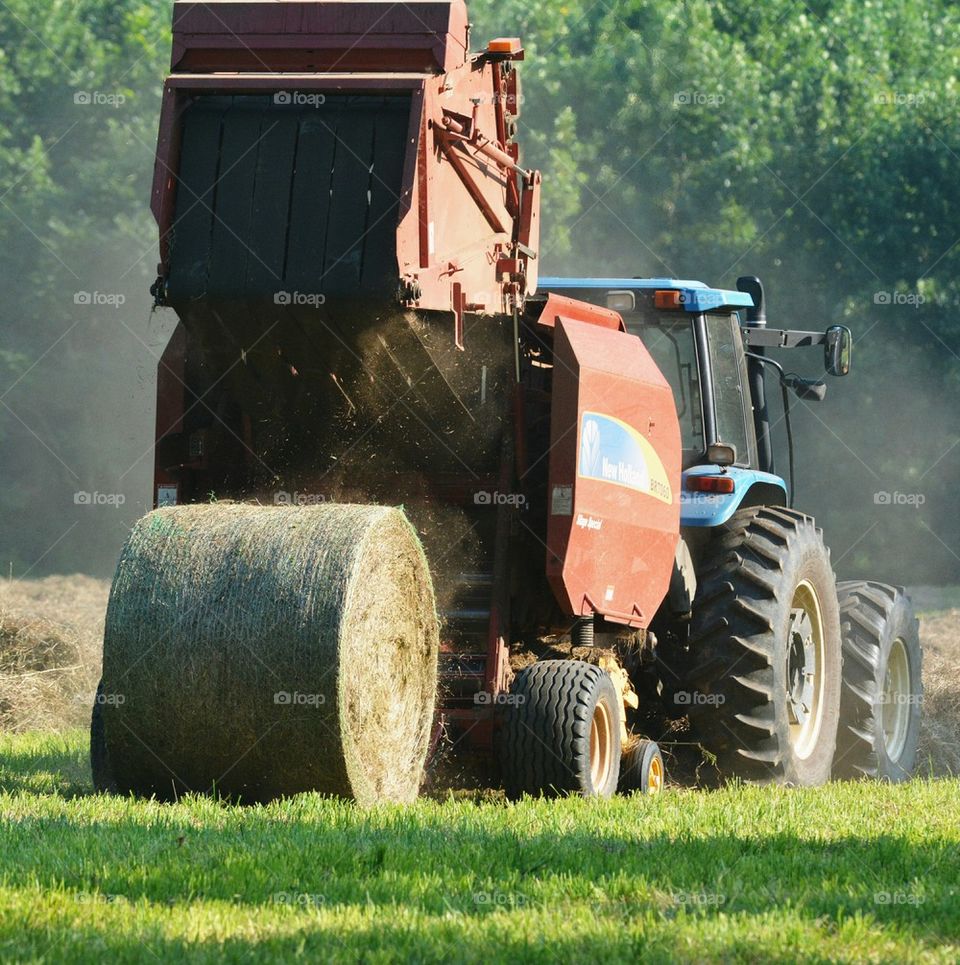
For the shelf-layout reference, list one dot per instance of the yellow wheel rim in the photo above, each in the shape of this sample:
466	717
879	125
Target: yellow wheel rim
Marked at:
601	741
655	775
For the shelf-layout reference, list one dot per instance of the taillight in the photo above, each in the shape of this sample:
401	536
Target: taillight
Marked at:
667	299
711	484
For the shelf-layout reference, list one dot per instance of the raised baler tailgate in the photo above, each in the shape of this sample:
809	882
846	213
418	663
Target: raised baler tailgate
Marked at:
277	198
614	489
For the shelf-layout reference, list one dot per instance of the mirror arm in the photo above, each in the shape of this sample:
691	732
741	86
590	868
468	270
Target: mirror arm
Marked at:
780	338
811	390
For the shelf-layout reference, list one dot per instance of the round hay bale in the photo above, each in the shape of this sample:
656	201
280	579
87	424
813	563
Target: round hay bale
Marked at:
260	652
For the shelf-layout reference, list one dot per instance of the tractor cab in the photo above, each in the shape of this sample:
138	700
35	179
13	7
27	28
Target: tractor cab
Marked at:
710	344
694	335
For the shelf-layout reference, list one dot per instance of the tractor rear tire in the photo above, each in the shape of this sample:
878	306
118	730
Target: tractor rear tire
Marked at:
642	769
562	731
880	707
765	649
100	769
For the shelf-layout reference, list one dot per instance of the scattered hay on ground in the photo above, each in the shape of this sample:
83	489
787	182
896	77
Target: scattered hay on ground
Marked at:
50	636
940	732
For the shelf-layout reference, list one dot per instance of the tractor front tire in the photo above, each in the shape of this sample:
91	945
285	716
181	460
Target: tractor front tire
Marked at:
880	706
562	729
766	651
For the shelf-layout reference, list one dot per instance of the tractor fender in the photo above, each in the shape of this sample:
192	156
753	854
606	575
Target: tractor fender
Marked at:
751	488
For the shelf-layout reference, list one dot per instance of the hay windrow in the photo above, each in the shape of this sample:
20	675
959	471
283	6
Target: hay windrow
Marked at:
50	637
268	651
940	723
47	675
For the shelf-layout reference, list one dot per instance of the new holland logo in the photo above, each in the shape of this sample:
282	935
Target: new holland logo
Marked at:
590	448
613	452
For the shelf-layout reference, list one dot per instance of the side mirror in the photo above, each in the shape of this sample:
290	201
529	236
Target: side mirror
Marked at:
722	454
837	349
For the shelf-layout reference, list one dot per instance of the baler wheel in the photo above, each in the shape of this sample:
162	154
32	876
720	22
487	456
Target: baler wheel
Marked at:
765	649
642	769
882	688
562	731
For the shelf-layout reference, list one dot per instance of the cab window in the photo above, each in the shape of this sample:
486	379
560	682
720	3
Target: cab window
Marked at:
734	414
668	337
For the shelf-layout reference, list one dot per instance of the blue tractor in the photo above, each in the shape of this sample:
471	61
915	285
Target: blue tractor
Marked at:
785	674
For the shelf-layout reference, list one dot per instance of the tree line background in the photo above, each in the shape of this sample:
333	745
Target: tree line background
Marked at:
813	144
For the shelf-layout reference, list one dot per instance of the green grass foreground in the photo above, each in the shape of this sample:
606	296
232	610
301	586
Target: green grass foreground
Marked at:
847	872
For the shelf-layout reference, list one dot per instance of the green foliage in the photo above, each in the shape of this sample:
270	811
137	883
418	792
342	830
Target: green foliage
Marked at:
79	98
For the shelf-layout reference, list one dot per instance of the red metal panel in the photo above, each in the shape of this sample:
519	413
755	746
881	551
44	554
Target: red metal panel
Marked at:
559	308
448	235
165	168
614	485
459	221
318	35
530	233
252	82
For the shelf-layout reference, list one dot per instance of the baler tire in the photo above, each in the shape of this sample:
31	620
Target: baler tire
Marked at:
766	612
100	769
557	710
879	730
642	769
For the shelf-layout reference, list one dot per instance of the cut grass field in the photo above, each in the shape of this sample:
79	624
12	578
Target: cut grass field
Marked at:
842	873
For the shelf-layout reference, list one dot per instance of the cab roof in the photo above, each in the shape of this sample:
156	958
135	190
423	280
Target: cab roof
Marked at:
696	297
